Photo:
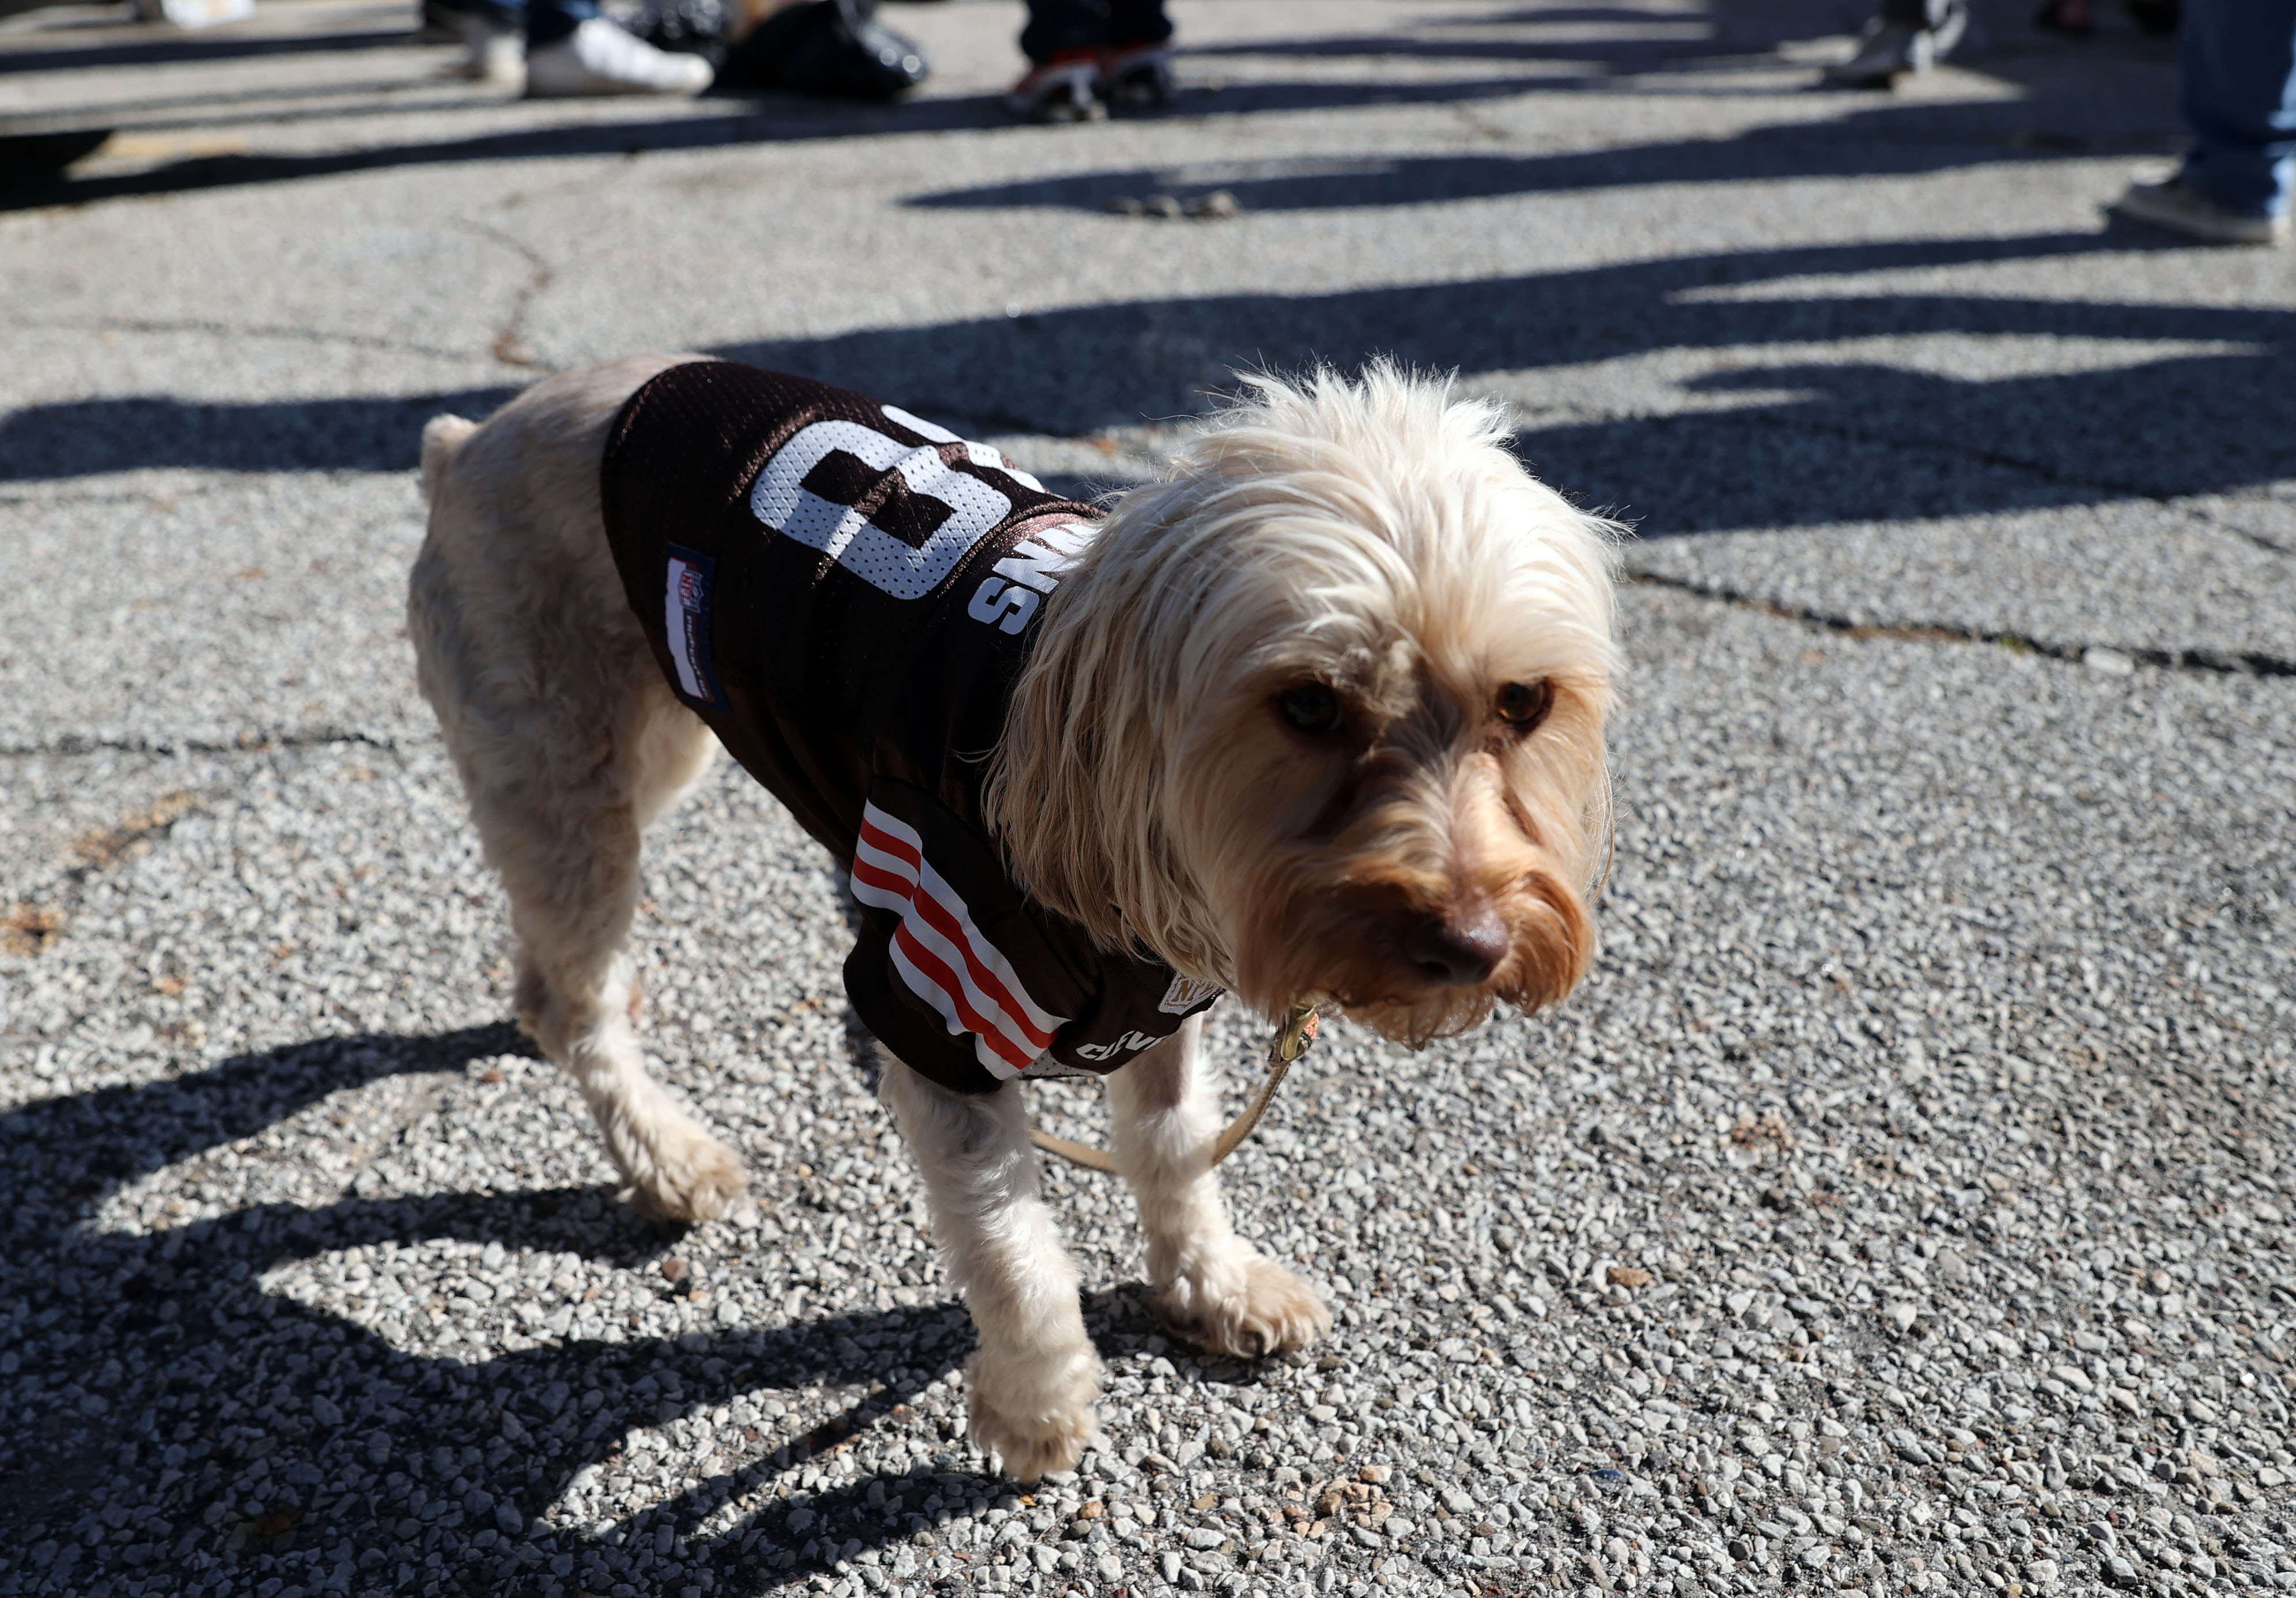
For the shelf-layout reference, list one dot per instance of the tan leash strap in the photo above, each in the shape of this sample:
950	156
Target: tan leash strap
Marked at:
1075	1153
1290	1041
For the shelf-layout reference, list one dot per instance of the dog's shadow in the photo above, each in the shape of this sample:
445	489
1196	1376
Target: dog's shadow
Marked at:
240	1425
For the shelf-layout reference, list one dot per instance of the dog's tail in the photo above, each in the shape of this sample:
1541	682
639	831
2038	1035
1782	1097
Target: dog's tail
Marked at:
442	436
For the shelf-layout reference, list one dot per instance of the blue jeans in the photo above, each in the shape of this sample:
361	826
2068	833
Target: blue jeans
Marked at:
2237	66
1058	25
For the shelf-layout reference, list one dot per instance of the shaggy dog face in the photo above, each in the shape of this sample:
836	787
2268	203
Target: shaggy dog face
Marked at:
1320	717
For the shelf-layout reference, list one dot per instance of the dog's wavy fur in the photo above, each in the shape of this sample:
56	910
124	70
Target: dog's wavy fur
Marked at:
1371	538
1377	535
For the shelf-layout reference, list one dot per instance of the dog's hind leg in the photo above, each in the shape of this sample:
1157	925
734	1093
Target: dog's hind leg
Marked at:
572	875
1210	1285
568	852
567	741
1031	1386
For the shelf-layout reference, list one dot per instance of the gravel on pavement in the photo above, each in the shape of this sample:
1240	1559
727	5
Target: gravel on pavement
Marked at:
1906	1204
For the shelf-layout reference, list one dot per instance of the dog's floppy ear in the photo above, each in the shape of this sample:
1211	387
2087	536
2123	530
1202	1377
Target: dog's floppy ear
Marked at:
1075	792
442	436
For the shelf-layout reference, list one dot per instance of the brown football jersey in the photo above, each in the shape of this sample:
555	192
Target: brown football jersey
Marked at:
845	593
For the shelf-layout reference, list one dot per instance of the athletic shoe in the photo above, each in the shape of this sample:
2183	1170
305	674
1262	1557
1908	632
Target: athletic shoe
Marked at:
598	58
1893	50
1063	89
1138	77
2185	210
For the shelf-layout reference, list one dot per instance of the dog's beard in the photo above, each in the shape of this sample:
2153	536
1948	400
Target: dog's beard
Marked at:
1324	884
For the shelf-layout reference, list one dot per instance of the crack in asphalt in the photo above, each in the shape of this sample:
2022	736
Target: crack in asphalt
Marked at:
224	330
246	743
2210	518
165	492
2216	662
509	346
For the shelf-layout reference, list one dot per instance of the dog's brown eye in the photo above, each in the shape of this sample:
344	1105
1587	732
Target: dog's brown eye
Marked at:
1522	706
1312	708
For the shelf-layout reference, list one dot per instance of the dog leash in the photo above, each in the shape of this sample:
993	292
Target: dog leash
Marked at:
1283	1051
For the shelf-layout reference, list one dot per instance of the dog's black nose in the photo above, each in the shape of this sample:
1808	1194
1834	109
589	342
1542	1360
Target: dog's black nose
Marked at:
1458	952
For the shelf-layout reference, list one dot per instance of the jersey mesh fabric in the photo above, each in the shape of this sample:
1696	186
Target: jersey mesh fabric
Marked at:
846	594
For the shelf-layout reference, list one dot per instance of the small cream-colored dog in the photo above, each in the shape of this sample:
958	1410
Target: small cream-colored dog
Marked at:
1316	717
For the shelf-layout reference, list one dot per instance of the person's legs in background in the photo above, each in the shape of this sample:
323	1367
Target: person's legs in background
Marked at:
1064	42
571	49
547	21
2237	66
1085	52
2236	72
1139	67
1906	37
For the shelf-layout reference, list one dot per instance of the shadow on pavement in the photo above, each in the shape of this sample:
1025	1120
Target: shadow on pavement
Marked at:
768	120
2051	100
174	49
1801	440
76	437
2069	99
1889	140
1854	441
258	1435
56	1154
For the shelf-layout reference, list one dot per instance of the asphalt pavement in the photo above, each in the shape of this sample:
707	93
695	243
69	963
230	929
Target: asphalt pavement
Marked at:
1906	1204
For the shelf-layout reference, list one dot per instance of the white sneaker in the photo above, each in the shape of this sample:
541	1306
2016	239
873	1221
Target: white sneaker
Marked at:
2181	210
598	58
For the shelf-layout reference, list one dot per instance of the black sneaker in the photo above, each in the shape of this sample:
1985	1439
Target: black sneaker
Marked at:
834	48
1063	89
1138	77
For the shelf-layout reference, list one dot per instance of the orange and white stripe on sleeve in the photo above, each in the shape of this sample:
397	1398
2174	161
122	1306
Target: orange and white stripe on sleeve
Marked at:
940	954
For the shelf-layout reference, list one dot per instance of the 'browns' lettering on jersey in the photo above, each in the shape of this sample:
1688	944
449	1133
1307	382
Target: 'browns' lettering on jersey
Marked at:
843	592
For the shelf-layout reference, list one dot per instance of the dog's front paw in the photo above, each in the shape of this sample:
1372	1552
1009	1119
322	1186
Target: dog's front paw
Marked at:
1244	1304
688	1177
1033	1410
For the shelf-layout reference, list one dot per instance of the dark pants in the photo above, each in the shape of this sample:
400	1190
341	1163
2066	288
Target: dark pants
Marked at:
546	21
2236	66
1058	25
1914	13
549	20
